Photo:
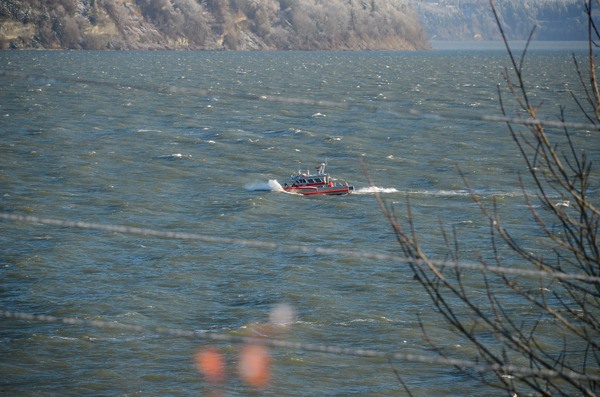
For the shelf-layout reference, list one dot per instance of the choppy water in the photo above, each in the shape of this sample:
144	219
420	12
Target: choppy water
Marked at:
118	148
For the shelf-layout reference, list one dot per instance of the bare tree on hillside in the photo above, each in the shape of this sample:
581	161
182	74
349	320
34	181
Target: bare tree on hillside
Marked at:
556	332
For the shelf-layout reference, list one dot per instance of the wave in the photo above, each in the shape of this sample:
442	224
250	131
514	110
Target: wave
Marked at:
148	130
259	186
175	156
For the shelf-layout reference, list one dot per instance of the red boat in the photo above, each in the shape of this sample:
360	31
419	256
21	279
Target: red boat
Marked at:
320	183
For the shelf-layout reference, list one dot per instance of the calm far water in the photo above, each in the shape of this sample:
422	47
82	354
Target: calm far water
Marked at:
178	141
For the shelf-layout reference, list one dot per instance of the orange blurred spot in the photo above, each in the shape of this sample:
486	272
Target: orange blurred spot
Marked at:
255	365
211	364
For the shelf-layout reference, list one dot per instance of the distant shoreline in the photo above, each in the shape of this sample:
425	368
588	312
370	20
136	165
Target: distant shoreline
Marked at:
436	45
516	45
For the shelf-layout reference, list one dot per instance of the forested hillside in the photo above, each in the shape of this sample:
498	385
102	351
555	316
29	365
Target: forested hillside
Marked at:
211	24
473	19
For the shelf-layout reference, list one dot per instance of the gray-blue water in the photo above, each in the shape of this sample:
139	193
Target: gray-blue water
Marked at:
193	142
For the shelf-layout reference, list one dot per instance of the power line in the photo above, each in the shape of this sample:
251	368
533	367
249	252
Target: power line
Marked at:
513	370
204	92
269	245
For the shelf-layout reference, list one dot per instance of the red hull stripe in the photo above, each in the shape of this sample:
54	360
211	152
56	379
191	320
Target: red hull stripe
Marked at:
312	191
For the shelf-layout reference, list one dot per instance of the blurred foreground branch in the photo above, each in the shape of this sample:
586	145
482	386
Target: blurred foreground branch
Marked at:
548	324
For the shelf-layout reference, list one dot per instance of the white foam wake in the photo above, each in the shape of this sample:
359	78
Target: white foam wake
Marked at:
375	189
271	186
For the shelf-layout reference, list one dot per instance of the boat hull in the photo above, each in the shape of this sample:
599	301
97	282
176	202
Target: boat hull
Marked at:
314	190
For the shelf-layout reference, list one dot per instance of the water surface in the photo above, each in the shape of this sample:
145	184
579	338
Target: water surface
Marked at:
195	142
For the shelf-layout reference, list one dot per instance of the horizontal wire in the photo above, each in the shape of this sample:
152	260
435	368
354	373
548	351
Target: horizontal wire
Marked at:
506	119
513	370
203	92
269	245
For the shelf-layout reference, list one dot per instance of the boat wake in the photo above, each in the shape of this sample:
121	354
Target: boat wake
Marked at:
271	186
451	193
375	189
484	193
